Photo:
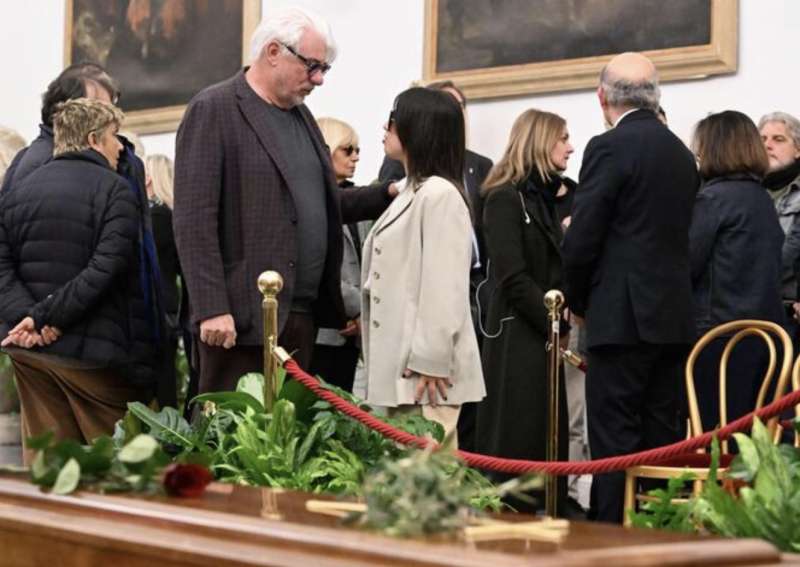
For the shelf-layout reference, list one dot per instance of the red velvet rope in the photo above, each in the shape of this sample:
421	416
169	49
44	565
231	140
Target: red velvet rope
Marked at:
517	466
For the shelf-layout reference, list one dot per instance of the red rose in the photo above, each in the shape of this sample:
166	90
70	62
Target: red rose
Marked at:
186	480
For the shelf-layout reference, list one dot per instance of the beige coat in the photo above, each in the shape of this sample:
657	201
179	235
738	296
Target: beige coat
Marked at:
415	297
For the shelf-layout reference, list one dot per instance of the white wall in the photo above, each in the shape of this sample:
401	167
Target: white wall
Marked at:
380	53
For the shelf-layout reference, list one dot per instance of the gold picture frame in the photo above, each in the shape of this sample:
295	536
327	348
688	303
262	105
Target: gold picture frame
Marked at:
718	56
155	102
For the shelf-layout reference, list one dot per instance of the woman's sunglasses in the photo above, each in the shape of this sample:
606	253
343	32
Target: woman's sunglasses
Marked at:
348	150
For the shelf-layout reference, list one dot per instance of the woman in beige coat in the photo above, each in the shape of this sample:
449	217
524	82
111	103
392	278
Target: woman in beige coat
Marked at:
420	349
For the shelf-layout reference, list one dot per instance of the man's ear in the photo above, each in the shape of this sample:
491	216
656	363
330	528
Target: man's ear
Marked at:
601	96
271	51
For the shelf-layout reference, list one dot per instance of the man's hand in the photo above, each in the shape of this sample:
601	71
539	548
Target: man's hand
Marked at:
429	384
23	335
352	329
796	307
393	191
219	331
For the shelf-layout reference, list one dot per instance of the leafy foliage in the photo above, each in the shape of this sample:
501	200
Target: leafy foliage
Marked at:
65	465
428	492
759	495
303	444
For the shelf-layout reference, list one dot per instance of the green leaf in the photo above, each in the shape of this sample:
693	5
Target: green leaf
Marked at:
252	383
68	478
302	398
40	442
140	449
234	401
747	452
167	425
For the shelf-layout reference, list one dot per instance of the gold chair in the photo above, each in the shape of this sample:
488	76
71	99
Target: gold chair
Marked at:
697	463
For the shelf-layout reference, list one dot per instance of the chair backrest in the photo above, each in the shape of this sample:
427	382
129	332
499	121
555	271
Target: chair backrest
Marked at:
740	330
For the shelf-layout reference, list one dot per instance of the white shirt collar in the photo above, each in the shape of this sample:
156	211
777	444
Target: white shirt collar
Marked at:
624	115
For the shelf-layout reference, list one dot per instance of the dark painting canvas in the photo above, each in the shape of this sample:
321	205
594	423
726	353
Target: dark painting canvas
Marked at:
478	34
161	51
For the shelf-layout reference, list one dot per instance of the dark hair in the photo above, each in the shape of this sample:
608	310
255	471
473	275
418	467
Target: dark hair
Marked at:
728	142
71	83
430	126
448	84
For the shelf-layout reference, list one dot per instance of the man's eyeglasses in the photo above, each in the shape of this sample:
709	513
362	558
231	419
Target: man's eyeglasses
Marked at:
348	150
391	120
311	65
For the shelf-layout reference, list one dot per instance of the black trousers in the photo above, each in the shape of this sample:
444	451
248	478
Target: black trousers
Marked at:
336	364
635	400
220	369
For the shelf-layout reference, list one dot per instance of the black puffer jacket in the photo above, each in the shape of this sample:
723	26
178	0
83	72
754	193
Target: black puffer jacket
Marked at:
69	259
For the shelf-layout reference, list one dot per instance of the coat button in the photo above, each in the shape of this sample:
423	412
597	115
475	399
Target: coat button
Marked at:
377	250
376	324
376	275
377	299
291	264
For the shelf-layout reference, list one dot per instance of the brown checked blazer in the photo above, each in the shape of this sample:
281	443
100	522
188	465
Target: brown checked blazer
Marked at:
235	216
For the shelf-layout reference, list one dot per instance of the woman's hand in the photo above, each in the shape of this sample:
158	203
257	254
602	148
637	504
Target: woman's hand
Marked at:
429	384
23	335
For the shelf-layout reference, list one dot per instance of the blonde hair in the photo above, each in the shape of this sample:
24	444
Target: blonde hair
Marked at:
162	173
75	119
10	144
337	134
532	139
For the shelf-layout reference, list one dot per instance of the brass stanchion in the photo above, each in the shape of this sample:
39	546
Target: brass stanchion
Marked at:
553	300
270	284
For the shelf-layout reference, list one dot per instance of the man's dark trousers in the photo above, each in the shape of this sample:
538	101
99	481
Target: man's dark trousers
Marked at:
634	401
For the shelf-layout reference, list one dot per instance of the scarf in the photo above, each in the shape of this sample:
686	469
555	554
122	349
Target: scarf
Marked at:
779	179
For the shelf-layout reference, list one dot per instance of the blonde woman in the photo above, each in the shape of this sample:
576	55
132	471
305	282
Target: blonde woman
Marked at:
336	351
10	144
523	234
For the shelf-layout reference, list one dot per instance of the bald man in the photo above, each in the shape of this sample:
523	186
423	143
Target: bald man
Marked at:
626	268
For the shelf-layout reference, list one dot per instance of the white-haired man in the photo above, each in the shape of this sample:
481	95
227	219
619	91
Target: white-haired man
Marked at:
255	191
626	270
780	133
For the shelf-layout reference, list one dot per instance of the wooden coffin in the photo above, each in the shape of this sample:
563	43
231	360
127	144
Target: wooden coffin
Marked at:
241	526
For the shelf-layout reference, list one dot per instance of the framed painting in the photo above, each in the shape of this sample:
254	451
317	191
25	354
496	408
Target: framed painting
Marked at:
496	48
162	52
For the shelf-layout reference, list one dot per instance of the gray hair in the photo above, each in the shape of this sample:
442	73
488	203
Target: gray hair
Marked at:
287	27
792	124
623	93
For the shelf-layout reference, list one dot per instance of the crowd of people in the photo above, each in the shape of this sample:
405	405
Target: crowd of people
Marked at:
422	292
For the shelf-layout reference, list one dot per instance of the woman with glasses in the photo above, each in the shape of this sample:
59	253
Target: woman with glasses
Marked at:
420	350
523	230
336	351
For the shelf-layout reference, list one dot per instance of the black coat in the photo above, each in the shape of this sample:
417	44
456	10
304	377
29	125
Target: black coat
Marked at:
525	256
626	253
68	258
736	243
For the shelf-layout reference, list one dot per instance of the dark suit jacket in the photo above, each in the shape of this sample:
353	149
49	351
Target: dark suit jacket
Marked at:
626	253
476	168
235	216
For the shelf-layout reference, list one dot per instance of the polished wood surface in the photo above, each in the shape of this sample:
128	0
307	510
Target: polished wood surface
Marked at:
241	526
